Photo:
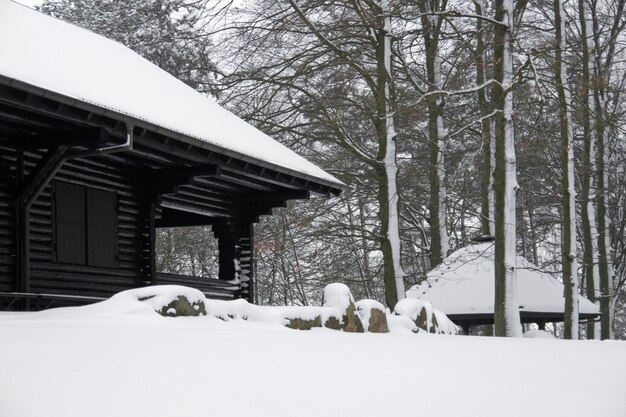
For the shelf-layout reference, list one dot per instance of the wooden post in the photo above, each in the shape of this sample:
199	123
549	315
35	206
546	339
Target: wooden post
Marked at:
246	252
227	237
22	238
226	258
148	246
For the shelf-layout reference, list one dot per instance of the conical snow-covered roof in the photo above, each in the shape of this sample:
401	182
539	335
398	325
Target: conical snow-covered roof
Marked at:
60	59
463	286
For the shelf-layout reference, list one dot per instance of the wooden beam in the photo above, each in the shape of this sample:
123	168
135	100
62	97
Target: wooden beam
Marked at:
193	208
277	195
45	169
204	170
54	109
21	120
90	137
216	196
150	156
197	204
219	184
246	182
234	170
268	177
159	188
38	179
174	218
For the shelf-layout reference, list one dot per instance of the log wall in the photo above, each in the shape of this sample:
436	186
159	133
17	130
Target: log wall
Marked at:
46	274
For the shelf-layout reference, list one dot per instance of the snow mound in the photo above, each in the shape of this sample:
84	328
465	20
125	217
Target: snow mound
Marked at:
539	334
401	324
145	301
159	296
337	295
339	312
276	315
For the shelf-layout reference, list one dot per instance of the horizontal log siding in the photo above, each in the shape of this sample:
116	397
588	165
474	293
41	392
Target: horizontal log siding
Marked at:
8	158
50	277
112	173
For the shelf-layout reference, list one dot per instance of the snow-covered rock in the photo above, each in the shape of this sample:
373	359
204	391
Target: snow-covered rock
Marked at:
425	316
295	317
401	324
168	300
373	315
339	297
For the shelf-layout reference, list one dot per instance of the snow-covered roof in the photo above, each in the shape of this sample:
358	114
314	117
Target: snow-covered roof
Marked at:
65	59
464	285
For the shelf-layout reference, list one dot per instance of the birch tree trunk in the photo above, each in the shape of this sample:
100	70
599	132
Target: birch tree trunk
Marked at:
601	81
388	194
486	183
436	133
603	245
376	16
588	210
506	311
568	222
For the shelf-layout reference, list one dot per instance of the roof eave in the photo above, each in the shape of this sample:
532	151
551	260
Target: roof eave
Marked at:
335	188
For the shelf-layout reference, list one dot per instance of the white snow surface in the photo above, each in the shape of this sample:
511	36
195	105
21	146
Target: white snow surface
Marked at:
464	284
274	315
337	295
57	56
127	362
538	334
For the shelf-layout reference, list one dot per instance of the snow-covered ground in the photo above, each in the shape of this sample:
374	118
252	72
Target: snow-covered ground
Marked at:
113	361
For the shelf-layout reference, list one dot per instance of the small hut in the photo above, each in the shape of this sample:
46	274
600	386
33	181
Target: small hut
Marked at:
463	287
99	148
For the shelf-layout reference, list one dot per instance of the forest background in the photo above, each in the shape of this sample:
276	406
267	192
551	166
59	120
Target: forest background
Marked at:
410	103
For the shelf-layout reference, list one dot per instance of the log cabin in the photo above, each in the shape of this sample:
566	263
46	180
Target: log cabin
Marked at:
99	148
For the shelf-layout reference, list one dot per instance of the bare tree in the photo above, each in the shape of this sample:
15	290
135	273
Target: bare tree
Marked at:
568	220
506	313
432	20
339	90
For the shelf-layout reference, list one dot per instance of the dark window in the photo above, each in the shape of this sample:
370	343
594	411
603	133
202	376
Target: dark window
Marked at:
71	235
86	225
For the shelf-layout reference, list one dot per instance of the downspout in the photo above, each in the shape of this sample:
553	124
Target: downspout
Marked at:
128	145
